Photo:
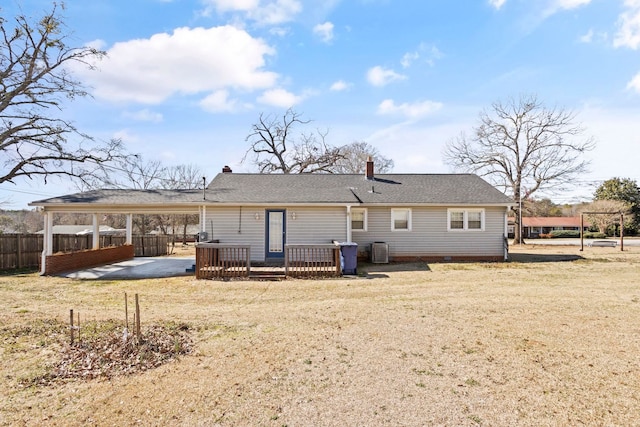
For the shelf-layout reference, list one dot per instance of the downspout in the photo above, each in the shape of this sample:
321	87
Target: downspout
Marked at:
203	218
349	231
506	234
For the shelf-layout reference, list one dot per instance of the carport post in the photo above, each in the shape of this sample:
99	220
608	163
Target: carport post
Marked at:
47	246
96	232
129	238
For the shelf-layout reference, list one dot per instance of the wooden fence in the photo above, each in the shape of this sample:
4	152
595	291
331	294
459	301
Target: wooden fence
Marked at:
19	251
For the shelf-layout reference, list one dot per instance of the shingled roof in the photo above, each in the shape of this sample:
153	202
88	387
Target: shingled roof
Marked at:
126	197
388	189
239	188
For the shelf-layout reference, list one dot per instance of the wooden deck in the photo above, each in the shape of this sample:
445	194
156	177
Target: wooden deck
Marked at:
229	261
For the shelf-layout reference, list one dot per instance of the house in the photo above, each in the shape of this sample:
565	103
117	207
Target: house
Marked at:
417	216
533	227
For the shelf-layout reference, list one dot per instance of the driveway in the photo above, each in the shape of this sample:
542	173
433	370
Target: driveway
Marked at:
138	268
575	242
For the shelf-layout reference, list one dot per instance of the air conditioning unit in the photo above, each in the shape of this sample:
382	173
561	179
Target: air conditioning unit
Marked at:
380	253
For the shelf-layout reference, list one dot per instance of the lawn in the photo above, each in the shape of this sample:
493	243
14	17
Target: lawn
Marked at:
551	338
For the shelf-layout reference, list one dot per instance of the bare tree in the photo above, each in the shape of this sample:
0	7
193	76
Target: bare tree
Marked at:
133	172
277	148
608	213
354	159
34	82
522	146
542	207
183	177
187	177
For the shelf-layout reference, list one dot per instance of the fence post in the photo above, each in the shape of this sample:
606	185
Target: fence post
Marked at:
19	245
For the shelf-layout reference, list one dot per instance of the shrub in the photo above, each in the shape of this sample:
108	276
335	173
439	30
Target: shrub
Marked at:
565	234
594	235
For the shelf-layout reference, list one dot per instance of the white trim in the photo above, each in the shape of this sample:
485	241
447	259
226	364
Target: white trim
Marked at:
393	225
465	220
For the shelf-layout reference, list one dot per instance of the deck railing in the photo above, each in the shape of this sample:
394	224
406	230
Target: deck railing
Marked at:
219	260
312	260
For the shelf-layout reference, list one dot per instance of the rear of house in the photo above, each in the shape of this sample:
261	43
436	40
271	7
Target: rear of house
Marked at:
416	216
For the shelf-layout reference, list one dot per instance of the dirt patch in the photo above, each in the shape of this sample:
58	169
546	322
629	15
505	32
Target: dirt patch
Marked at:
104	349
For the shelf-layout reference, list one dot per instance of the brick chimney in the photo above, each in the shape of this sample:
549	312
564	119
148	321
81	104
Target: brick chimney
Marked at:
226	169
369	171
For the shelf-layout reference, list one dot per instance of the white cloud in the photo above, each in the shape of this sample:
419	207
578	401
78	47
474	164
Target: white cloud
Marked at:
219	102
628	34
189	61
570	4
234	5
339	86
265	13
497	3
280	98
144	115
324	31
588	37
428	53
279	31
408	59
378	76
126	136
412	111
556	6
634	84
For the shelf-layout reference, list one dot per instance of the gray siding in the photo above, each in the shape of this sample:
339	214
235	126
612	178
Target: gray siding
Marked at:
316	225
238	225
322	225
312	225
429	235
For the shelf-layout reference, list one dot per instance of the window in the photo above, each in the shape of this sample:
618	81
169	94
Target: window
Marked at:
456	220
400	219
474	220
466	219
358	219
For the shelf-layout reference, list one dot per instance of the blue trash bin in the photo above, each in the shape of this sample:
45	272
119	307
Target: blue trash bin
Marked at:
349	252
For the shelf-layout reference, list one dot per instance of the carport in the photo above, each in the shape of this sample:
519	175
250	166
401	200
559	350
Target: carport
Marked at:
111	201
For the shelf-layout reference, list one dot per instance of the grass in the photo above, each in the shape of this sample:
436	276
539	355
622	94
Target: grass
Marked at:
550	338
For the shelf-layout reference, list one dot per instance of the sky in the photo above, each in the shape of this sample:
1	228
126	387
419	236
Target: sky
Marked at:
184	80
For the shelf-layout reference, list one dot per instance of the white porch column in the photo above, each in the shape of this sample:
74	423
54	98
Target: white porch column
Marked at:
129	232
349	231
47	244
96	232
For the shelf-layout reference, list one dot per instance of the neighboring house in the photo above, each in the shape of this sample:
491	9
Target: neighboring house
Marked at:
179	232
80	230
533	227
419	216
